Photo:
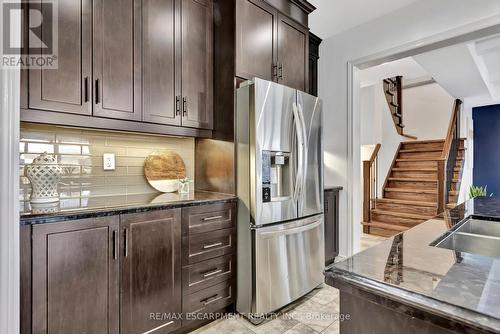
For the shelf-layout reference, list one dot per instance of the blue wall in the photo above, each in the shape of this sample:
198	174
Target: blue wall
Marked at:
487	147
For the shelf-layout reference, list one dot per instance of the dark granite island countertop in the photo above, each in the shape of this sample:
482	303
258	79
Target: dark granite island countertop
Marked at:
80	208
404	281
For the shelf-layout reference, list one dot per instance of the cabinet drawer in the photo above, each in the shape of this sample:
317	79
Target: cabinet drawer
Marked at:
206	218
204	274
213	298
200	247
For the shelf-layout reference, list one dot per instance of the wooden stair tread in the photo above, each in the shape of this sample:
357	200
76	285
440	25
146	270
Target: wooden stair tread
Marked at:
386	226
430	141
406	202
453	192
420	150
402	214
416	159
413	169
408	179
408	190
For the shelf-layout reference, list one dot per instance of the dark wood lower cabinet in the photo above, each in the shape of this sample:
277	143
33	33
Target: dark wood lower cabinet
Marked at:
124	274
151	272
75	277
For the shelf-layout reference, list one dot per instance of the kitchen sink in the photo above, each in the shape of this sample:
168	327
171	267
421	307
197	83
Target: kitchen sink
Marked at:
474	236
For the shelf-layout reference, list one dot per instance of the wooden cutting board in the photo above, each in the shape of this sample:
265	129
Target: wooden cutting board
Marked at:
163	170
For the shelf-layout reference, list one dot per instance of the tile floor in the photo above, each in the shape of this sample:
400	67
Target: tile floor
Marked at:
317	312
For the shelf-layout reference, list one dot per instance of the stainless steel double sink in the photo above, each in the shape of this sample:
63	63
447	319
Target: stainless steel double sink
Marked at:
476	236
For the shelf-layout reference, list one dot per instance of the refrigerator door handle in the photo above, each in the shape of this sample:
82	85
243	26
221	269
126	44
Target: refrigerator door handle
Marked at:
300	152
305	152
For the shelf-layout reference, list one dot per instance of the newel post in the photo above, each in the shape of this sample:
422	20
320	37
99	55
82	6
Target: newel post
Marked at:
366	195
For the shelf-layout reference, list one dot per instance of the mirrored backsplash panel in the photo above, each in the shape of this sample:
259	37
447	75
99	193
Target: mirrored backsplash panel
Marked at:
79	152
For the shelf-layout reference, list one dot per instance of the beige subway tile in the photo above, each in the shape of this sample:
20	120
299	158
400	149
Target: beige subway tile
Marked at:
99	150
126	162
69	149
140	189
135	170
125	180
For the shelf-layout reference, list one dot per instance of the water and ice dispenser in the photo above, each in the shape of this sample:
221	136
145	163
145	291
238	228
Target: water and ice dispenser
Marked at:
276	176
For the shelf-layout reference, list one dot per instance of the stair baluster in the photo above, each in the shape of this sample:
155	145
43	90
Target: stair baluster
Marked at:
370	186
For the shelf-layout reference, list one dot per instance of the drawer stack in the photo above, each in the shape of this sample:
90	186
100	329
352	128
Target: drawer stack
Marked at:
208	259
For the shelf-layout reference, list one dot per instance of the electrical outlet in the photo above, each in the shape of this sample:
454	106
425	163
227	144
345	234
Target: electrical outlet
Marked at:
108	161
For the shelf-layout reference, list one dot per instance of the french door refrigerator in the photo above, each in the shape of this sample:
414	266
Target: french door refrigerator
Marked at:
280	188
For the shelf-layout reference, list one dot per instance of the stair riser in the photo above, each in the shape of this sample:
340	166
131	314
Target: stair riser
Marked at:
419	155
416	164
456	175
428	146
415	174
411	196
412	185
406	208
452	198
408	222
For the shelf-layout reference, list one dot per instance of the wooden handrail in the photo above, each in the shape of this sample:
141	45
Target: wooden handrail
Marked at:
370	179
375	153
447	162
451	127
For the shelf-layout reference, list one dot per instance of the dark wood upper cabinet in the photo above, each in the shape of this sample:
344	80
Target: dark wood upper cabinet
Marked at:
314	43
150	271
75	277
293	54
117	59
256	35
67	88
197	63
161	51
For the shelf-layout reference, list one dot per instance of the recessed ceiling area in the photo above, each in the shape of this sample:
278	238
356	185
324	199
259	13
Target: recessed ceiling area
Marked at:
407	67
335	16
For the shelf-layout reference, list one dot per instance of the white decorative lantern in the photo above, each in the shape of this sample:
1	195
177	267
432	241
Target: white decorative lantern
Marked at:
44	174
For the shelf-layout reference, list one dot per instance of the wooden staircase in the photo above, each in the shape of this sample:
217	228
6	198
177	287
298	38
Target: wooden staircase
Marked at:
410	192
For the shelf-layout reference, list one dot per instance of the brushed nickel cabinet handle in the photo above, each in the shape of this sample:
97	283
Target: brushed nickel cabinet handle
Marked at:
211	299
212	245
212	273
211	218
177	105
115	245
274	70
125	240
97	95
86	89
184	106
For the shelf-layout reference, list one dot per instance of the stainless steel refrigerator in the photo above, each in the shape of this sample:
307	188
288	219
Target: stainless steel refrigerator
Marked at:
280	190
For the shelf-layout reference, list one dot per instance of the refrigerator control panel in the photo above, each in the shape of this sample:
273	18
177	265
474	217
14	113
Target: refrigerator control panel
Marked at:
266	176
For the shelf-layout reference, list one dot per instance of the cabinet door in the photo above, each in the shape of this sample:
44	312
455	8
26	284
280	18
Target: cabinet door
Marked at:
293	54
331	226
161	83
75	277
151	271
117	59
256	32
67	88
197	63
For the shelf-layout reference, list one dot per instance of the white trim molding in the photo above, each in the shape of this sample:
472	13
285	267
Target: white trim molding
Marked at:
9	195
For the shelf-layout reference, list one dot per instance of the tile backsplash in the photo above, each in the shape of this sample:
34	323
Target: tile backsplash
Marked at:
80	152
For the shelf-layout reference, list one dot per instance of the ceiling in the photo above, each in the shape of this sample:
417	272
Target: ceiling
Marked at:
334	16
407	67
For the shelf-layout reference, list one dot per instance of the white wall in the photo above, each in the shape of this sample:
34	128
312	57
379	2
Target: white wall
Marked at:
424	19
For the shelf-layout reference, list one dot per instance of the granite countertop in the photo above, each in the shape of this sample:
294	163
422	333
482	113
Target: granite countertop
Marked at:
79	208
460	286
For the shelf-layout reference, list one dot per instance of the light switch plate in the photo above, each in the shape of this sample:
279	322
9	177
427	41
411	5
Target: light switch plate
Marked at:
108	160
